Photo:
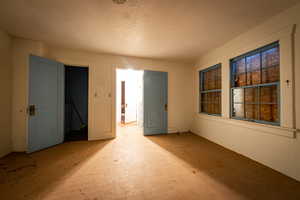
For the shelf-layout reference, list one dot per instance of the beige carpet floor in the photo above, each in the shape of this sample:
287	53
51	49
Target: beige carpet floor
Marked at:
175	166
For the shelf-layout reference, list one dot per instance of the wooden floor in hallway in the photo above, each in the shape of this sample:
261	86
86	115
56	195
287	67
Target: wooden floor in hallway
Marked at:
132	166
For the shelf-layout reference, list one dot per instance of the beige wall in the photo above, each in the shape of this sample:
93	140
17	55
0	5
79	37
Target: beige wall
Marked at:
5	88
101	88
276	147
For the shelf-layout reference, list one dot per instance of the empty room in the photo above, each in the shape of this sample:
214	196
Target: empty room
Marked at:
150	99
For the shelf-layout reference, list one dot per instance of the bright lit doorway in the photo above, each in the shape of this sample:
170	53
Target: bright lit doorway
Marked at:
129	104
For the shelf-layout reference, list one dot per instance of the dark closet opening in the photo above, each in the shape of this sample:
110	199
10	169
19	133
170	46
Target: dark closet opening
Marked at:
76	103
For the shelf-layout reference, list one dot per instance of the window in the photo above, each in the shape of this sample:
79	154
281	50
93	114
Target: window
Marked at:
210	90
255	85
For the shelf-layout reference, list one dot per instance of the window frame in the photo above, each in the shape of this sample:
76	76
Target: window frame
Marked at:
201	91
277	84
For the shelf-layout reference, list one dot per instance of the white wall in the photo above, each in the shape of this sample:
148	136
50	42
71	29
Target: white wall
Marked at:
276	147
5	88
102	101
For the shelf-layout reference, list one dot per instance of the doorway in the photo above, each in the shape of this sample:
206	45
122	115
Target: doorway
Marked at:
76	103
129	102
141	102
57	103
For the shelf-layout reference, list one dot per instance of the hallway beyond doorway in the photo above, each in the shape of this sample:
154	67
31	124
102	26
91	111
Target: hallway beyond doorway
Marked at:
129	97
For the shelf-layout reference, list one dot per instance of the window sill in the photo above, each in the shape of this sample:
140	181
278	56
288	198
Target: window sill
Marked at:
266	128
210	114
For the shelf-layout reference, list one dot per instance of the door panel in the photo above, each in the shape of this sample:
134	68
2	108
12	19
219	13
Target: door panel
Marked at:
155	102
46	94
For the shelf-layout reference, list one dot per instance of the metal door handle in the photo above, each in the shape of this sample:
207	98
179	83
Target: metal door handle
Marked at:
166	107
31	110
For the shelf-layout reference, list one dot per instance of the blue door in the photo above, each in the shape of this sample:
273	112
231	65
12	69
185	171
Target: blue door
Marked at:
46	104
155	102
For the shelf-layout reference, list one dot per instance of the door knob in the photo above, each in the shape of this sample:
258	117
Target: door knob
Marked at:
166	107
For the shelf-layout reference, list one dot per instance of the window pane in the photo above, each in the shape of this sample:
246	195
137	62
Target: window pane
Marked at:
238	95
253	69
218	78
217	103
270	75
240	66
238	110
270	65
270	57
240	73
251	95
269	112
240	80
207	80
204	101
251	111
268	94
212	79
209	84
211	102
269	103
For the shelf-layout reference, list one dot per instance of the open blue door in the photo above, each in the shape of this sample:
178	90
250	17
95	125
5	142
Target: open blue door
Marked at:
155	102
46	103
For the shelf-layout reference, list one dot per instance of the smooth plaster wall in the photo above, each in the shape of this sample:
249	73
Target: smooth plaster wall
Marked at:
102	71
274	147
5	87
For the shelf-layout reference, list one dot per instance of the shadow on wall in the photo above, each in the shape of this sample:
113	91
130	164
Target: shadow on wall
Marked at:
238	173
20	172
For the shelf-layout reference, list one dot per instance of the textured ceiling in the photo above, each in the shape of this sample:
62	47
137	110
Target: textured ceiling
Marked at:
165	29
